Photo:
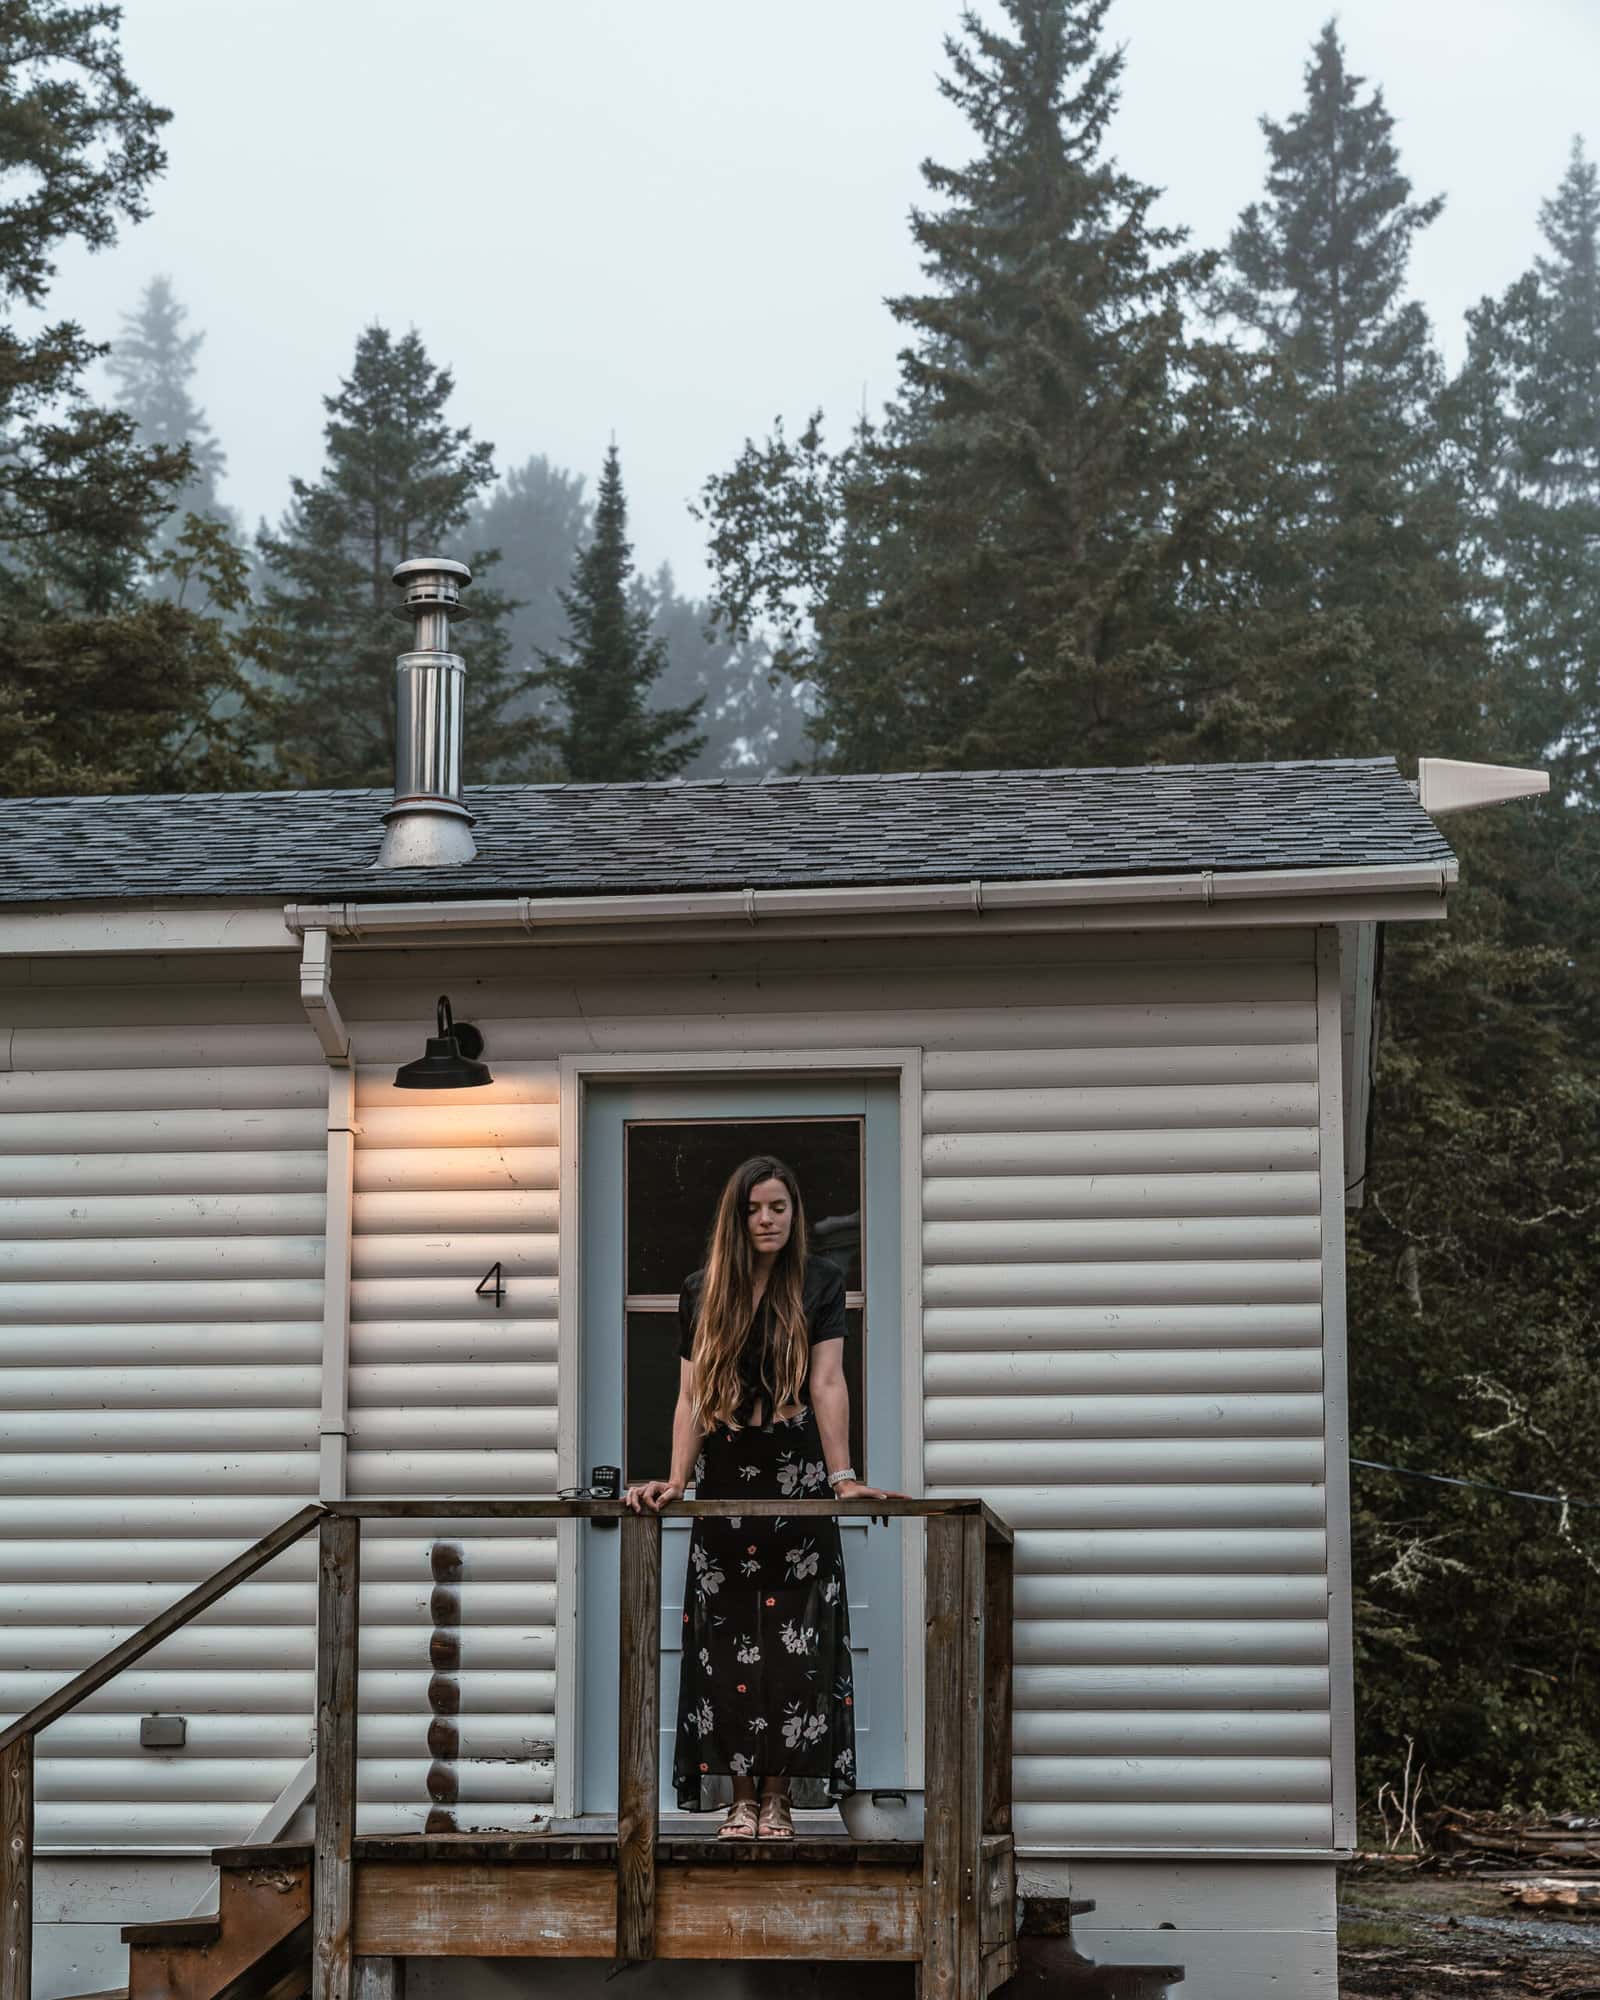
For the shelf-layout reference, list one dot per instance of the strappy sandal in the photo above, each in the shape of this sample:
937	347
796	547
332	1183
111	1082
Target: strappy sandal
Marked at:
742	1821
774	1822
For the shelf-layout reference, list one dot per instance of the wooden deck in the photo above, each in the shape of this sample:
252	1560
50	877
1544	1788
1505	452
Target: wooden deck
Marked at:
822	1896
345	1909
946	1903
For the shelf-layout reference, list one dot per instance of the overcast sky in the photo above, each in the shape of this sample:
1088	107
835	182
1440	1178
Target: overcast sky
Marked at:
673	219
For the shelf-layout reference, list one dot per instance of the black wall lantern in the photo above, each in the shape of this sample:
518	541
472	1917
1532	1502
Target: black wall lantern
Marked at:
451	1061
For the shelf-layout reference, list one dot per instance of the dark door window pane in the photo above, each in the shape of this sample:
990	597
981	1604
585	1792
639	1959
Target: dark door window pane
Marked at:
677	1169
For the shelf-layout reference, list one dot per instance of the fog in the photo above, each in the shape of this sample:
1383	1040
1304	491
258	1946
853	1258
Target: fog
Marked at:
672	222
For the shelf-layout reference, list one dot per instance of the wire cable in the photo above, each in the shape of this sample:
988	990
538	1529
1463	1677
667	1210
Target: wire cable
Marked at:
1478	1485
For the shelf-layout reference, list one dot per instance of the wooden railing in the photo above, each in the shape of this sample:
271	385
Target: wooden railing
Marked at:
967	1711
16	1743
967	1718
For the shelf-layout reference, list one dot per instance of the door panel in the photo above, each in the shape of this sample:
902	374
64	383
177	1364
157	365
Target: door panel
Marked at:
654	1162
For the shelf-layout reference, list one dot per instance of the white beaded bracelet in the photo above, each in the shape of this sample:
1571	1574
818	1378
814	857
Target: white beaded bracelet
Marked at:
839	1478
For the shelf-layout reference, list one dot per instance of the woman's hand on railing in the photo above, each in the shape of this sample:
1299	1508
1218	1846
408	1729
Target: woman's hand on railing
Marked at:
858	1489
654	1494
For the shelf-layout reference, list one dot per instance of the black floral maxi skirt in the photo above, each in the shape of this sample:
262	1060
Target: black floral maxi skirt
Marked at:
765	1689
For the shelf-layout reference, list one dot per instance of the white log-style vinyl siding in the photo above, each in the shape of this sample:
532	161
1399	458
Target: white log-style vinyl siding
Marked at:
450	1394
161	1241
1122	1350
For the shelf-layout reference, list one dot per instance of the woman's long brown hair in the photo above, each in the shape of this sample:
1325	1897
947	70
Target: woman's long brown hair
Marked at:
728	1296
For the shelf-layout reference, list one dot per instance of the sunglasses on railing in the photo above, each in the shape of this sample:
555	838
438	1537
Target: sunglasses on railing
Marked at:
605	1483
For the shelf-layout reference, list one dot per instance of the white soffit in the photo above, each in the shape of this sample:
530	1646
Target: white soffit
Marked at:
1446	786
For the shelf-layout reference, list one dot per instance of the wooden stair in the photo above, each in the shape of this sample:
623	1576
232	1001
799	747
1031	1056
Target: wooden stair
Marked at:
257	1946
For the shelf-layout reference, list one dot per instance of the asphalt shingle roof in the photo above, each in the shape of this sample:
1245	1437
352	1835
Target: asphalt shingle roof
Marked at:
544	840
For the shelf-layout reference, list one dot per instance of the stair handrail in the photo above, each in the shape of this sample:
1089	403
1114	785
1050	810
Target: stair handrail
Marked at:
16	1741
162	1626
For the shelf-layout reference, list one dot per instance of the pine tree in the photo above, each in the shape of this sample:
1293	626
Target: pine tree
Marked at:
101	689
609	661
1366	579
1354	544
754	721
1014	565
1319	268
398	481
538	519
160	694
1528	404
79	493
153	363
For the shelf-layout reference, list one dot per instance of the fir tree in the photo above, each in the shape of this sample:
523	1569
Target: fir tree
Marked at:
1354	544
1319	268
161	696
79	493
100	688
153	364
754	721
1528	405
538	518
1013	566
1366	580
609	661
399	481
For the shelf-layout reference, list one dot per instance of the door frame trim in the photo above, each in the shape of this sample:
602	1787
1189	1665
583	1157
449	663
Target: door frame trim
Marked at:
902	1065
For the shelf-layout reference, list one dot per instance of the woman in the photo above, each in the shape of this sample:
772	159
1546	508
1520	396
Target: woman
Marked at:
765	1694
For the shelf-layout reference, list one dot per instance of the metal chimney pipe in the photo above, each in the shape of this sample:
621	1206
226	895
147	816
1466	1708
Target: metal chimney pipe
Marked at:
428	826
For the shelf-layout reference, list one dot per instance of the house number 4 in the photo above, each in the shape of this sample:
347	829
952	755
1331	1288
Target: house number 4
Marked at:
492	1285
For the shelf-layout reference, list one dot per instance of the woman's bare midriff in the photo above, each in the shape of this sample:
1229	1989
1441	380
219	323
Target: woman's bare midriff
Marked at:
755	1417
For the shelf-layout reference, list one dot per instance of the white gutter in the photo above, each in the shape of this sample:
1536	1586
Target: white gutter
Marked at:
1199	891
1119	902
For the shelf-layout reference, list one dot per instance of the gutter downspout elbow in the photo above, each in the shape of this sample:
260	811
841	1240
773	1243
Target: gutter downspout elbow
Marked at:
316	996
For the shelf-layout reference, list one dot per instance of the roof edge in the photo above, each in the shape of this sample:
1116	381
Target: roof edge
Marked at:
1202	898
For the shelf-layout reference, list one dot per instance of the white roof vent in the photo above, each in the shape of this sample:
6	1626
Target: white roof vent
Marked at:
1445	786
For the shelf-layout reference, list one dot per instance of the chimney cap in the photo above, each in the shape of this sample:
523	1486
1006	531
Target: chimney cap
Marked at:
428	581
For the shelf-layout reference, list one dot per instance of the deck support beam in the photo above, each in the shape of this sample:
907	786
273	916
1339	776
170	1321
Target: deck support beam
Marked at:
16	1870
953	1751
380	1979
338	1625
638	1737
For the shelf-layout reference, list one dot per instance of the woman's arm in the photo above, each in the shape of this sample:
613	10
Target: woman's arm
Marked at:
830	1399
685	1447
686	1433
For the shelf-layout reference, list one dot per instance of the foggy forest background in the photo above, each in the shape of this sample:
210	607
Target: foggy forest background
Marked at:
1136	499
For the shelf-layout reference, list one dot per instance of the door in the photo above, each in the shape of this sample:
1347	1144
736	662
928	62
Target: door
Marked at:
654	1160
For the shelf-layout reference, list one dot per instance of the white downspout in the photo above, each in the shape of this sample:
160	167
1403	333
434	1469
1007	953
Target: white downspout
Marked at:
322	1010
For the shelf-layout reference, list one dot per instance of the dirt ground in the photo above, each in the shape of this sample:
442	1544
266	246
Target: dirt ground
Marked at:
1433	1937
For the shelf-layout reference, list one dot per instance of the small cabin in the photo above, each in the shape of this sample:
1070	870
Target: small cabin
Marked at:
1073	1067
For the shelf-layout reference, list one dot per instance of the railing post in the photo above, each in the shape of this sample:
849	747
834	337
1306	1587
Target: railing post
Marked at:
998	1567
16	1870
638	1736
952	1963
338	1663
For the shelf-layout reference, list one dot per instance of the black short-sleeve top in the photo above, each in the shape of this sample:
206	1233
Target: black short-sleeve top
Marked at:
822	1294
